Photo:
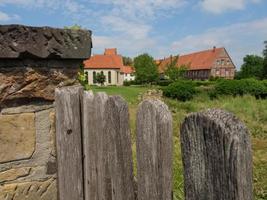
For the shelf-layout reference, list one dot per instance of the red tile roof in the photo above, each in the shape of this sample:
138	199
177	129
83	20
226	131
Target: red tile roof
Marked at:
110	60
195	61
127	69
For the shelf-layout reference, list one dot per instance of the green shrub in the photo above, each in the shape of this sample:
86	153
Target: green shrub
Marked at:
203	83
164	82
180	90
240	87
126	83
132	82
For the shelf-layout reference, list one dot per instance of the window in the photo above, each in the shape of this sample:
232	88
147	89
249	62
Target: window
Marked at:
117	77
109	76
86	77
94	77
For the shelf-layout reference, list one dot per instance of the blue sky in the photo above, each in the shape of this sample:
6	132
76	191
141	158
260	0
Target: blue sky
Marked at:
158	27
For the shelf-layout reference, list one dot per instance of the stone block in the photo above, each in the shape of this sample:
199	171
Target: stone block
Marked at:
17	137
14	174
42	190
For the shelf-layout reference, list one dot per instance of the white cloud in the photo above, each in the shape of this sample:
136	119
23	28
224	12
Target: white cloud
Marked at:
129	23
4	17
141	8
238	38
220	6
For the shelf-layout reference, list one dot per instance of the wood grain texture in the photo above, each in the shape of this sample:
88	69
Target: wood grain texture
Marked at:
68	142
217	157
97	178
154	151
116	119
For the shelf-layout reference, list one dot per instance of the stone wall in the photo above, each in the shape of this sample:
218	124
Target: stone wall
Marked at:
33	62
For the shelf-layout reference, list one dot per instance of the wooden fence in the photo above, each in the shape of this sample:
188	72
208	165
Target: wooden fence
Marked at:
94	151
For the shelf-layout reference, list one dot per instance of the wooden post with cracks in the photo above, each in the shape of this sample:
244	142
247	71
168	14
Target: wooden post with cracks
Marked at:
217	157
97	180
117	131
69	143
154	151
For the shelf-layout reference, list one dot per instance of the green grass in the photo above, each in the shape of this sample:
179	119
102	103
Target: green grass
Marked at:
130	94
251	111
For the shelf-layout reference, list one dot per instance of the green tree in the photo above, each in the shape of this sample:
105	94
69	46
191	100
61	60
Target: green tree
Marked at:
264	71
100	78
252	67
173	72
146	70
82	76
127	61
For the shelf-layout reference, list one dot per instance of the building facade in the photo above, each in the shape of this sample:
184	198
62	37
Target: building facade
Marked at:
128	73
202	65
111	65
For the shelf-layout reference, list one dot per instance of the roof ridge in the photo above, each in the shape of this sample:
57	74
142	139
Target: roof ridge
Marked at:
202	51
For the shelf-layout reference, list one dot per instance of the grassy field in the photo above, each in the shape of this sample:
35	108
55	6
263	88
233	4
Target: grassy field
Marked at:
251	111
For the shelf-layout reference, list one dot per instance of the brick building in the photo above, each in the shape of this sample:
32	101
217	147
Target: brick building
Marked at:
202	65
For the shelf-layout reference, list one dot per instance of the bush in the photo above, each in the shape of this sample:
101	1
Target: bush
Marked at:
203	83
126	83
164	82
240	87
129	83
181	90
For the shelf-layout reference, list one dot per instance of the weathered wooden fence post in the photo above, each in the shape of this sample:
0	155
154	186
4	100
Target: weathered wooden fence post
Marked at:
68	142
154	151
95	147
116	120
217	157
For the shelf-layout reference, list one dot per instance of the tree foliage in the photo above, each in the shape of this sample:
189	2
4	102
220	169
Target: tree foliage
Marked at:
264	74
100	78
173	72
127	61
146	70
82	76
252	67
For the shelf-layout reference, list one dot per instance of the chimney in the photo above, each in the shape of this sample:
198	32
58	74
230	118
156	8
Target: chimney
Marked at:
214	48
110	51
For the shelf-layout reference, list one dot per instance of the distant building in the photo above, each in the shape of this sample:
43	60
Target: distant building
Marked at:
111	65
202	65
128	73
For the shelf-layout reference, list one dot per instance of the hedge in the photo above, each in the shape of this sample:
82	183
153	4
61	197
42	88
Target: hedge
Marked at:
180	90
240	87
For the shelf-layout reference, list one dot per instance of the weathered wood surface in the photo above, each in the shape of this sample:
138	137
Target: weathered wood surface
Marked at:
116	119
217	157
95	149
68	142
154	151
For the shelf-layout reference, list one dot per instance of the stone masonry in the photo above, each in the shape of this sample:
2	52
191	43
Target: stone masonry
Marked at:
33	62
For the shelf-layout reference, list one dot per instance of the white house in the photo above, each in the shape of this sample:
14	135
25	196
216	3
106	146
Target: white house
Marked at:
111	65
128	73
